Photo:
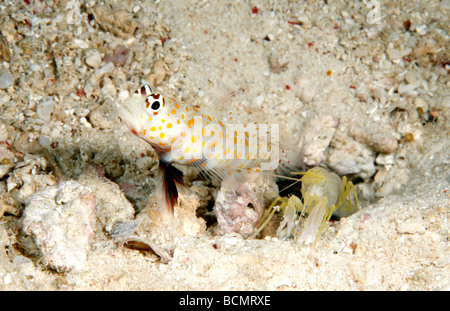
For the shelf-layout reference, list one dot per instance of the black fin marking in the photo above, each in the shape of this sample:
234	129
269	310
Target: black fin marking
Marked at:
171	179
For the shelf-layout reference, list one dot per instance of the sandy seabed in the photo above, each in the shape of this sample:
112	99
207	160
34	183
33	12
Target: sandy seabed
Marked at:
360	87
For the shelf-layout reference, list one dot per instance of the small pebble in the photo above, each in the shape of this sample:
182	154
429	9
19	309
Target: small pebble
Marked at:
119	56
6	79
93	58
422	29
106	69
124	228
44	110
159	73
385	159
395	54
383	143
35	67
108	88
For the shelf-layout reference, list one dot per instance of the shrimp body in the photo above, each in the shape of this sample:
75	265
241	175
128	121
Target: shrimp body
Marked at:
323	193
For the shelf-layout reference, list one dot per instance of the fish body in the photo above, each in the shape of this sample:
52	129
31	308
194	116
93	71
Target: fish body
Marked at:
220	144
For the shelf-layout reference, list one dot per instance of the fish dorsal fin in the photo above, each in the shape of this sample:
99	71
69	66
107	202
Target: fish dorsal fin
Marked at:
232	107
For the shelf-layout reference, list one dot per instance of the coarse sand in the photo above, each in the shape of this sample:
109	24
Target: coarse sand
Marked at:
359	87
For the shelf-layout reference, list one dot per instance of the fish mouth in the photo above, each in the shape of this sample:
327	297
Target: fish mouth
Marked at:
130	112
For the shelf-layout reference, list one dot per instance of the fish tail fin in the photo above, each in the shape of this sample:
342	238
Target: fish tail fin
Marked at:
167	189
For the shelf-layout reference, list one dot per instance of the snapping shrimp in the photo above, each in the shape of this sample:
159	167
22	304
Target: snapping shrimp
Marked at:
323	193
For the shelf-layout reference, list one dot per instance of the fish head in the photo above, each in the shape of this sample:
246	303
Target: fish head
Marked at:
152	117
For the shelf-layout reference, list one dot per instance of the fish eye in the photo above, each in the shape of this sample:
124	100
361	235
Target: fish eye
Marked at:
154	103
155	106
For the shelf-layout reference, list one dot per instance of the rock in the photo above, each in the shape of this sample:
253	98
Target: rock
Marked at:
35	67
159	73
4	133
395	54
29	176
421	107
24	265
111	204
385	143
119	56
144	164
5	169
421	30
124	229
104	70
378	139
92	58
385	159
317	137
413	77
408	89
117	21
347	156
240	203
103	117
6	79
92	84
108	88
23	143
60	221
5	51
186	216
44	110
389	180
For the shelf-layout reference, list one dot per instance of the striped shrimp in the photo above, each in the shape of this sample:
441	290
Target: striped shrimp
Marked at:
221	143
